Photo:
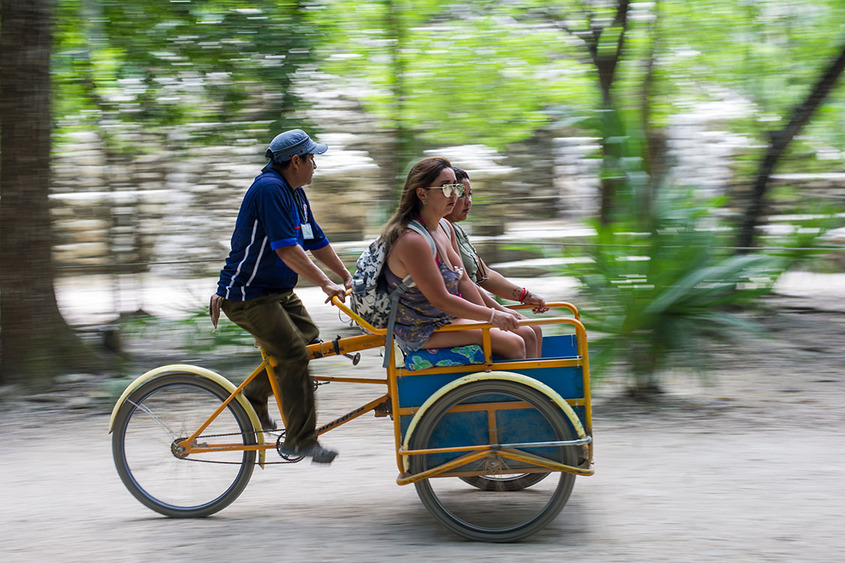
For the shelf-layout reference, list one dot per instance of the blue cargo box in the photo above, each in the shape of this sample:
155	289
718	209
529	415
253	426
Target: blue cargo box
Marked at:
415	387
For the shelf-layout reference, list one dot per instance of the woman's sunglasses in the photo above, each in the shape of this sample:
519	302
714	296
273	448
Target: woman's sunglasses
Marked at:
449	189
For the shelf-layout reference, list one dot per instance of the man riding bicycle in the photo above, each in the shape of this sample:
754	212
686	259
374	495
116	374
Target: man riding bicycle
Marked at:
274	228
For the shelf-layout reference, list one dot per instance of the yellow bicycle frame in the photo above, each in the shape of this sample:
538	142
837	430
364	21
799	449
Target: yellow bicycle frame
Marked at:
376	338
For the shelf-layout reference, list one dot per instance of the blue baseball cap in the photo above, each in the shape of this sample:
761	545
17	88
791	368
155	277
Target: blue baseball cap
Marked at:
285	145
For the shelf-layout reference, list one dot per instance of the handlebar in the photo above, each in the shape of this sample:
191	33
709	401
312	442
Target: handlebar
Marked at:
355	317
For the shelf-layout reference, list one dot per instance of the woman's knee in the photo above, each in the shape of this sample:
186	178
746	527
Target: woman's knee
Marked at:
533	336
508	345
528	335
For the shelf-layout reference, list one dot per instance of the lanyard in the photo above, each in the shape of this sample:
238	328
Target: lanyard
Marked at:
302	204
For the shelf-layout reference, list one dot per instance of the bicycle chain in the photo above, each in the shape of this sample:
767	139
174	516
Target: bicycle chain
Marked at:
242	434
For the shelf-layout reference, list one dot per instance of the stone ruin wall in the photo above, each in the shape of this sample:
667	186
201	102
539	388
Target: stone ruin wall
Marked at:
120	214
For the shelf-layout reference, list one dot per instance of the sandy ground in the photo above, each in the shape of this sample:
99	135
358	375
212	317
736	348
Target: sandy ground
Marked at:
751	468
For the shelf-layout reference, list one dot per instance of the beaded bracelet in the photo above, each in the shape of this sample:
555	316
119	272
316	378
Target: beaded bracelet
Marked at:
492	314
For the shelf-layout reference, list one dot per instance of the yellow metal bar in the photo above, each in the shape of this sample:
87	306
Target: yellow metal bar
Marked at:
539	462
463	460
539	363
487	345
348	379
449	450
499	366
351	314
544	462
493	447
555	305
393	391
351	415
492	426
403	411
274	384
186	443
441	370
344	345
234	447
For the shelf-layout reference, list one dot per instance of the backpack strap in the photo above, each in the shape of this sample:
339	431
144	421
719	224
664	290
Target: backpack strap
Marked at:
448	228
404	286
418	227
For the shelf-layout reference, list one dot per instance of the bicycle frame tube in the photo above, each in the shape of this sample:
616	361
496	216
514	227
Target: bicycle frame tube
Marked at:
187	443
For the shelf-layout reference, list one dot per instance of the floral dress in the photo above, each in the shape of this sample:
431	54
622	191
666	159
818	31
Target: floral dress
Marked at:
416	317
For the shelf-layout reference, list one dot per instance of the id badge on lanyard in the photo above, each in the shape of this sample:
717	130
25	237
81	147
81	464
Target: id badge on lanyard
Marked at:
307	231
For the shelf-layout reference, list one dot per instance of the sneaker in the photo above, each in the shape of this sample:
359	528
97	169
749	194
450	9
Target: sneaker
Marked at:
316	452
267	423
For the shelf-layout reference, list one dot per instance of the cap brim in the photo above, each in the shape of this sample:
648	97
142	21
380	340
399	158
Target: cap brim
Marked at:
310	148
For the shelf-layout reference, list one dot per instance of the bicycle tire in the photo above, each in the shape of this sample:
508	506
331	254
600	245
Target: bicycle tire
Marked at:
515	482
493	515
153	418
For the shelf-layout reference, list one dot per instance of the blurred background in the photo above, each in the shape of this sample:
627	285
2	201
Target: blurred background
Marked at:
672	159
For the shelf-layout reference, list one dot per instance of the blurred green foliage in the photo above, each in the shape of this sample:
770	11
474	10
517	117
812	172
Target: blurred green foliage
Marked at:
448	72
661	291
192	333
439	73
156	66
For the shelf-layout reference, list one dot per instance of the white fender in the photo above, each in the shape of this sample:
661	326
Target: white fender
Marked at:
202	372
492	375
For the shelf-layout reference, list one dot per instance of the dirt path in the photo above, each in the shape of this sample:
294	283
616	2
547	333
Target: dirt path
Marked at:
752	469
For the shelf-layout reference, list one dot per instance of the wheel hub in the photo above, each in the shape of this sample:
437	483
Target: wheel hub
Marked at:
177	450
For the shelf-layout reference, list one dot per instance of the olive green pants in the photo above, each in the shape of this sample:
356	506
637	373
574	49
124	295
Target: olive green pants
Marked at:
282	326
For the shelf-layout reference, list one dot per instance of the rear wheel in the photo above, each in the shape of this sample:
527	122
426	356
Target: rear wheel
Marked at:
515	482
147	430
489	412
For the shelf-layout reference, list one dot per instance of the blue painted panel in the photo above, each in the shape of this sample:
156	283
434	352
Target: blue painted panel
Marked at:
567	381
509	435
471	428
415	389
563	346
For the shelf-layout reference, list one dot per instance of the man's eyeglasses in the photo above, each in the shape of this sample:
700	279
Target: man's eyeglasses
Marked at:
449	189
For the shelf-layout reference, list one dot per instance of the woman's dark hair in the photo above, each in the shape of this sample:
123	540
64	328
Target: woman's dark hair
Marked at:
422	174
460	174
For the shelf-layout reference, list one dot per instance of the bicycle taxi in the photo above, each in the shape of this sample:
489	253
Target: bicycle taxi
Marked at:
492	447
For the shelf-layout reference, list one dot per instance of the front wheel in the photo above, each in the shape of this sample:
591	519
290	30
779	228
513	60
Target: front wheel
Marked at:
494	411
147	430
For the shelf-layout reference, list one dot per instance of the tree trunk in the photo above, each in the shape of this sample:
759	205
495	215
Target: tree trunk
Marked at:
297	54
35	341
606	66
779	141
403	137
656	145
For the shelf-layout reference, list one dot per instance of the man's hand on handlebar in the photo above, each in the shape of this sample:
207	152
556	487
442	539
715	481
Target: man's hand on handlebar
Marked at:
331	289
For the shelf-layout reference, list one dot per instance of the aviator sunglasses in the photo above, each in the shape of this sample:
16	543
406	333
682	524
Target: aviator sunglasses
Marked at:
449	189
